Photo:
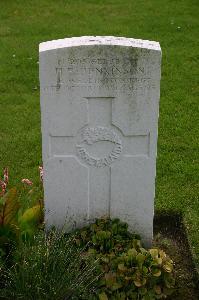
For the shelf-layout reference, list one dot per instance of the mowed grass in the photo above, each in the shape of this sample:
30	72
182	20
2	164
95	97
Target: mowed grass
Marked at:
174	23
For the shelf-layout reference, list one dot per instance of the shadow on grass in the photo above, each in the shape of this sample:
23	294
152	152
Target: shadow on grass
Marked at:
170	234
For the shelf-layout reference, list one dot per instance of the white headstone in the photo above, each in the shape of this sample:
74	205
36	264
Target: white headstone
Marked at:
99	104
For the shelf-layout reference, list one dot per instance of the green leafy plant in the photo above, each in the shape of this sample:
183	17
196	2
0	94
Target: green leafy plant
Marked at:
51	267
9	207
129	270
17	222
126	269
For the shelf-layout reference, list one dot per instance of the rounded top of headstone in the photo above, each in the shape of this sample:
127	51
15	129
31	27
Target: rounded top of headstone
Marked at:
98	40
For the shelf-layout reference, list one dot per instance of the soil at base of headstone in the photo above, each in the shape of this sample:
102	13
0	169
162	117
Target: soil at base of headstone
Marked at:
169	235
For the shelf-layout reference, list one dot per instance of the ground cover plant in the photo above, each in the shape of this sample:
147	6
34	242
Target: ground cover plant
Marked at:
50	267
129	271
32	263
101	261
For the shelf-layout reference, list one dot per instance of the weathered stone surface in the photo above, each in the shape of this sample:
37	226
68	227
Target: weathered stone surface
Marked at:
99	104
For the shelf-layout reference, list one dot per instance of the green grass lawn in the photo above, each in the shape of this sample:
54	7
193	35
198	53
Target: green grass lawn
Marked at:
174	23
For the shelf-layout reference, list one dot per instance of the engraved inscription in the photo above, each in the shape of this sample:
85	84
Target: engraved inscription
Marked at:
118	84
91	135
122	73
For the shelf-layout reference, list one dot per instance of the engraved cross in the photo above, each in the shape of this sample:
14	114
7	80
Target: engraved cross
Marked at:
98	146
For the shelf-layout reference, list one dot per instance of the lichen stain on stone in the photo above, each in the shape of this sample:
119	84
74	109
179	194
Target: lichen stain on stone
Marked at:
59	75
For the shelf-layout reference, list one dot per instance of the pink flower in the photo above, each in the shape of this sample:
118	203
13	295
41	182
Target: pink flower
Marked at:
41	172
27	181
3	187
5	175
